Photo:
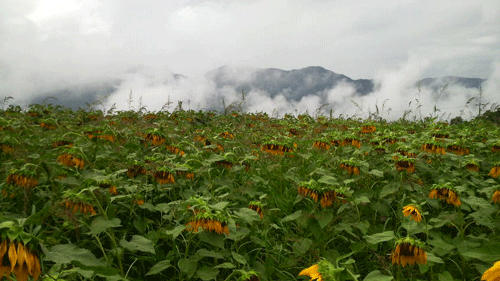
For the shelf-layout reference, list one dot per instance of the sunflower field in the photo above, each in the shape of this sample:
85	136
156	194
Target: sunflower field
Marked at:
186	195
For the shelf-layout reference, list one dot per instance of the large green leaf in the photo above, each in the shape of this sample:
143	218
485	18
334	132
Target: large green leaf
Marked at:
138	243
324	219
100	224
187	266
487	253
376	275
159	267
176	231
292	217
207	273
302	246
247	214
207	253
239	258
380	237
68	253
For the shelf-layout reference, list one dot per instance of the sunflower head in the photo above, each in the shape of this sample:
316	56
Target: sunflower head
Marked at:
408	251
413	212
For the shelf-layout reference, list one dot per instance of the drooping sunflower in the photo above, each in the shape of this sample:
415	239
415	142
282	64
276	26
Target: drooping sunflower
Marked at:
413	212
408	251
495	171
20	261
493	273
21	180
496	197
312	272
163	177
256	206
445	192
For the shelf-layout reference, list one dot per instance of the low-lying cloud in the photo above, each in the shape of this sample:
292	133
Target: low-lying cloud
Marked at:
396	94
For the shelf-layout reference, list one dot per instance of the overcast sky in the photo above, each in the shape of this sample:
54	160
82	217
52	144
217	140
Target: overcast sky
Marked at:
49	42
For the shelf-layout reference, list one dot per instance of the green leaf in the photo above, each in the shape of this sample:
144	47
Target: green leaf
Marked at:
377	173
324	219
100	224
187	266
302	246
292	217
159	267
380	237
220	206
138	243
213	239
227	265
207	273
376	275
329	180
176	231
68	253
239	258
445	276
432	258
206	253
248	215
488	253
387	190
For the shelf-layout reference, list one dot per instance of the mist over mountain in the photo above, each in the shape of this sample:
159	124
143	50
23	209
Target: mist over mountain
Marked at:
268	89
294	84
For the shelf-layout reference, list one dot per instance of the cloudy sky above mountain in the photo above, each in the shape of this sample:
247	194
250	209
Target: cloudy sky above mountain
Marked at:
48	43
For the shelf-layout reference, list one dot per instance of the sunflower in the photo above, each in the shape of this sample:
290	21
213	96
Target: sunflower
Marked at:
413	212
163	177
321	145
71	161
366	129
405	164
492	274
408	251
312	272
20	261
226	135
208	224
256	206
445	193
496	197
224	163
21	180
495	171
352	168
175	150
74	207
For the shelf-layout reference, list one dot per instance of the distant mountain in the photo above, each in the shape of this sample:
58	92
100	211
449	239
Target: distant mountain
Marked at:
292	84
439	83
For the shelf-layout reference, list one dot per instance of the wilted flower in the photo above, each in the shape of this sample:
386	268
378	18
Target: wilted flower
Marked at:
20	261
71	161
444	193
321	145
495	171
496	197
312	272
413	212
84	208
163	177
350	167
21	180
256	206
493	273
207	223
408	251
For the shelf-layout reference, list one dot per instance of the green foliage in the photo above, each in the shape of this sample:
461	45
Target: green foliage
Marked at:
233	211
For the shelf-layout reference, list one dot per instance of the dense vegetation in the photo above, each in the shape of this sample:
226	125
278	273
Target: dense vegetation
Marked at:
188	195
